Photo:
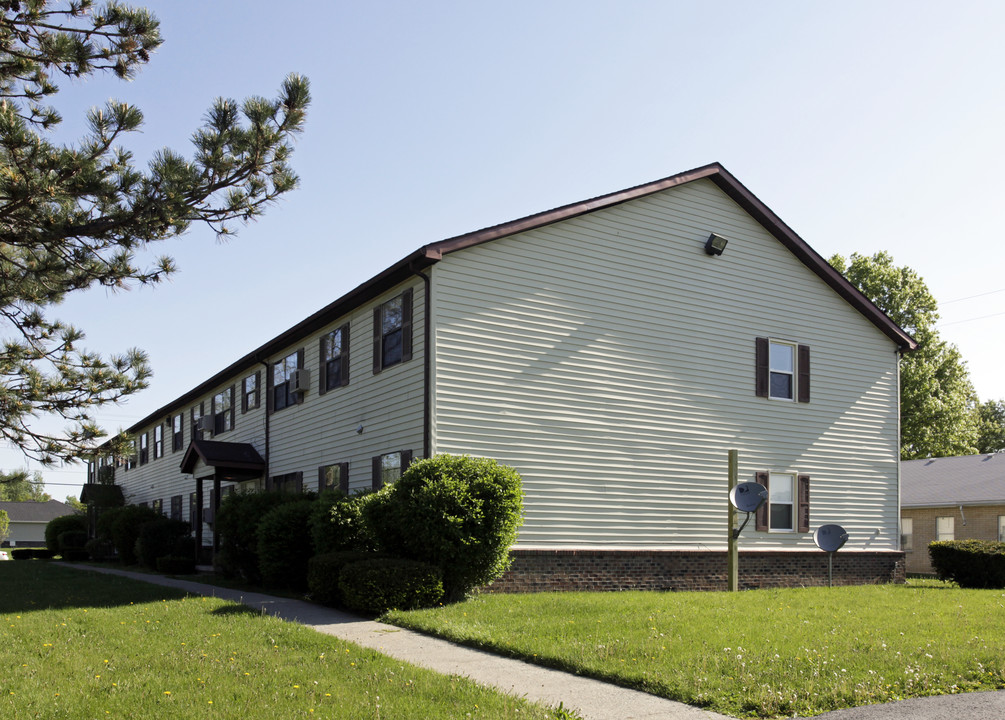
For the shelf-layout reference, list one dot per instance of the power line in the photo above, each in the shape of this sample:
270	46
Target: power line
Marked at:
971	297
982	317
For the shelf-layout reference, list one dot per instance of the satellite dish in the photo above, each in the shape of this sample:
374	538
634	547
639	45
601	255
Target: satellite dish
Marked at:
830	538
748	496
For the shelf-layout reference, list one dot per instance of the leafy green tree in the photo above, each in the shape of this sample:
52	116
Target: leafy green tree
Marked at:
74	216
20	485
4	525
991	437
937	400
75	503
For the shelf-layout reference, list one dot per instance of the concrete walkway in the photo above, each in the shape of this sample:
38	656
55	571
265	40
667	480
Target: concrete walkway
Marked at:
592	699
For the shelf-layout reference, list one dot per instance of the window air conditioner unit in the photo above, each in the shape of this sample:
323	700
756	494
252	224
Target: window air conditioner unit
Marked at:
205	423
300	381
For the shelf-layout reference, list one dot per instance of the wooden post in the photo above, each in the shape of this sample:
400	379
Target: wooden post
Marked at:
732	556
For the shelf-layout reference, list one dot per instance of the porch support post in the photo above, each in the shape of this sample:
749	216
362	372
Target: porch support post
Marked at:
198	519
216	511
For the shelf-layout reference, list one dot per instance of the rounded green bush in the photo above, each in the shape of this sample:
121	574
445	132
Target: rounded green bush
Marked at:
125	529
237	525
323	574
375	586
284	545
62	524
71	540
456	512
159	538
100	549
337	523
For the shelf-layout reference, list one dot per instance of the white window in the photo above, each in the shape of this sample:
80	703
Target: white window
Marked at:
907	534
945	528
781	505
782	370
1001	528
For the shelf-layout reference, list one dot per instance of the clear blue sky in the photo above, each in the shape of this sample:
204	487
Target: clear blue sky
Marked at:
865	126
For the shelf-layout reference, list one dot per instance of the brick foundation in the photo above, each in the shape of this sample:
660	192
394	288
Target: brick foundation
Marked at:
593	570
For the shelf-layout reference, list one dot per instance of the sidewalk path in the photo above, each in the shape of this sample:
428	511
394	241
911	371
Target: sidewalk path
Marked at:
592	699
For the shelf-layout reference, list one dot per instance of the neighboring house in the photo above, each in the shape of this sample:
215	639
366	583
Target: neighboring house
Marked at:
611	352
29	518
950	498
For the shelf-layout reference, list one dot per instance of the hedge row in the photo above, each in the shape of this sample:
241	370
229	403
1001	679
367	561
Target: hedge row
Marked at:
970	563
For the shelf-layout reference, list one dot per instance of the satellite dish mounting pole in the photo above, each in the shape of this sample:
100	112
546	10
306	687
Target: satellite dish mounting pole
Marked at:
732	556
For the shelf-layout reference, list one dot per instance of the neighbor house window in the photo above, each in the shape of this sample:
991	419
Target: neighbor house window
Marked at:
782	370
144	448
249	393
334	477
945	528
159	441
388	468
907	534
788	506
176	507
177	432
334	359
1001	528
287	483
281	391
223	411
392	332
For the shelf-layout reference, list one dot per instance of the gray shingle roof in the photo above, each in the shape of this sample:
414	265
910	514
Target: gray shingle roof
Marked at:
963	480
31	511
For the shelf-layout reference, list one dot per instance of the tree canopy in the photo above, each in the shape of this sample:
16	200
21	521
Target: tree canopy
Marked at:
991	429
20	485
937	400
74	216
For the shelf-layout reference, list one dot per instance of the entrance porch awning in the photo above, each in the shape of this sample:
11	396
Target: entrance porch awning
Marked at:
231	461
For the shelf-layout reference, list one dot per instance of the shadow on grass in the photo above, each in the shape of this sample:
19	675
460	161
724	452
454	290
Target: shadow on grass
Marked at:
43	585
235	610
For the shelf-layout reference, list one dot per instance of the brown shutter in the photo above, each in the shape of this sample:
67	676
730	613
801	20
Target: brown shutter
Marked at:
345	354
377	337
300	480
406	326
761	516
761	367
375	473
406	460
343	478
244	396
269	400
300	364
233	409
803	518
803	372
322	365
321	478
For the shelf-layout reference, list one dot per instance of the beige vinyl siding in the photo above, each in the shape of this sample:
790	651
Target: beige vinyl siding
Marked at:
319	431
611	361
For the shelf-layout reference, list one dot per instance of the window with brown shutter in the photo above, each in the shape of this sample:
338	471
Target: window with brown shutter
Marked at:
781	370
761	517
392	332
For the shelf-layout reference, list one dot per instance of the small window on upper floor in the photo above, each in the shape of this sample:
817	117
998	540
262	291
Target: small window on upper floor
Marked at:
144	448
194	416
223	411
177	432
249	393
281	391
159	441
782	370
334	359
392	332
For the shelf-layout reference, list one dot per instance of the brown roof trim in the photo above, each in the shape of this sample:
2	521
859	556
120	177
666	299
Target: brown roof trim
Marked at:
429	254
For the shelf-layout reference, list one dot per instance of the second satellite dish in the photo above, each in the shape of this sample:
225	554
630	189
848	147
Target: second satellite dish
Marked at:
748	496
830	538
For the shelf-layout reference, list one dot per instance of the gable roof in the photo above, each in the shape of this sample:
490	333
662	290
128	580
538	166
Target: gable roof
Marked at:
34	511
229	455
432	253
962	480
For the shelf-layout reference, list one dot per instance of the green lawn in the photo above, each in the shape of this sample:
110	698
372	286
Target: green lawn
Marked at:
82	645
765	653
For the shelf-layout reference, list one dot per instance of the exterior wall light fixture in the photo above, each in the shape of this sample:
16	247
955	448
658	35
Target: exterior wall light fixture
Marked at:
715	244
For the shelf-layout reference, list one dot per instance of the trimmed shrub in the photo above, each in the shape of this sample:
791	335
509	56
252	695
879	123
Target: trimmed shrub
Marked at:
125	529
64	523
323	574
21	554
158	538
72	540
456	512
337	523
176	565
284	545
970	563
377	585
237	524
32	553
100	549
